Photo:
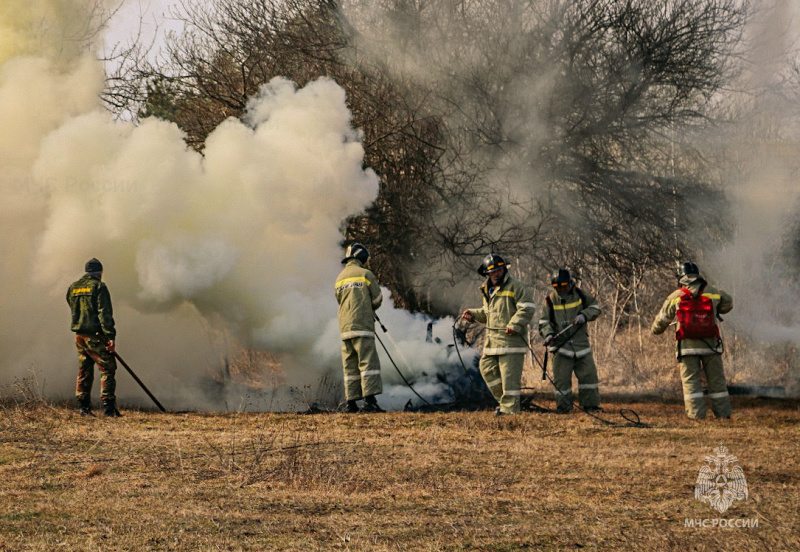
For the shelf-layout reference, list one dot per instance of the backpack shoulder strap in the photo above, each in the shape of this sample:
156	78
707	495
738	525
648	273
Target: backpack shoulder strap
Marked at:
686	291
550	312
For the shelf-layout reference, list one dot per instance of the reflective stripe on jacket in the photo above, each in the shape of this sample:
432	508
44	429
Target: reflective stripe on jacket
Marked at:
359	295
90	303
510	305
565	309
723	303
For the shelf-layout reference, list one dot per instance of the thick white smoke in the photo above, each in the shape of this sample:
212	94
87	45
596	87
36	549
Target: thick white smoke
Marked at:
239	244
759	164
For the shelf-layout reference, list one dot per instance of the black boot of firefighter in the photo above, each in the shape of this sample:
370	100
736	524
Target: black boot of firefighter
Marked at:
371	405
351	407
110	409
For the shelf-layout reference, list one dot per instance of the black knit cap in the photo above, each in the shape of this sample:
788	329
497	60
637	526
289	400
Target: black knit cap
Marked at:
93	265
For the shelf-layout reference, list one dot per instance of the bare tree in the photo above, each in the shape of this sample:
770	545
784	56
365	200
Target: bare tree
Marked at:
568	117
550	131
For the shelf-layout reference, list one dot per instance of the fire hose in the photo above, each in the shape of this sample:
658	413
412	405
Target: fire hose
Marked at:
408	384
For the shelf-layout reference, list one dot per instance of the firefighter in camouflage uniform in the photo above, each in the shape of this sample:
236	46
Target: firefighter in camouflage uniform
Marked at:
507	310
698	352
359	296
566	312
93	324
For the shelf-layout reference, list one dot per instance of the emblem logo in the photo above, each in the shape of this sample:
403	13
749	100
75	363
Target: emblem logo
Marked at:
720	481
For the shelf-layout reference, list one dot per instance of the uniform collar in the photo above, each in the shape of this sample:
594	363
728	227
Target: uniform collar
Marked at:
567	296
695	285
487	285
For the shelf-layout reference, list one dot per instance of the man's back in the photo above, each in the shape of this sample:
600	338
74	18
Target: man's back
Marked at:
358	296
90	303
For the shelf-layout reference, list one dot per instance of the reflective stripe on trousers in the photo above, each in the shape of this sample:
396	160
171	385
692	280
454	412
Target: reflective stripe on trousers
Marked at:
362	369
585	372
503	376
691	367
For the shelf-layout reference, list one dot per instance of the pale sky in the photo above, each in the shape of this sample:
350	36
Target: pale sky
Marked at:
153	15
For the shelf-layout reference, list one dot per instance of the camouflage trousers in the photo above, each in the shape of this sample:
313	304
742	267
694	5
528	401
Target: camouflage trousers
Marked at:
585	372
503	377
693	397
91	350
362	369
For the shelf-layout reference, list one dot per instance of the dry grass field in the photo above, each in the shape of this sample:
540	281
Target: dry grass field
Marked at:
400	481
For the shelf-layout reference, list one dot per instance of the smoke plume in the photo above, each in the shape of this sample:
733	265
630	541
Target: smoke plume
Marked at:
445	47
204	254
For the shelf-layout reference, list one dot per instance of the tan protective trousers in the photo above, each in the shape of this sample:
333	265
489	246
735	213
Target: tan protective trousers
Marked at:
362	369
691	366
585	372
503	377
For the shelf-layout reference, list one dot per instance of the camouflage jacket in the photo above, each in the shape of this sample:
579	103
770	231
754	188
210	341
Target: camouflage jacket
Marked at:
90	303
359	297
508	305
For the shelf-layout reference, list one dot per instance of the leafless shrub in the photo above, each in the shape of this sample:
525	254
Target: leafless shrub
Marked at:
554	141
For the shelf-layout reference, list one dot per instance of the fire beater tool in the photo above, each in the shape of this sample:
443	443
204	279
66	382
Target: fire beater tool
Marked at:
142	385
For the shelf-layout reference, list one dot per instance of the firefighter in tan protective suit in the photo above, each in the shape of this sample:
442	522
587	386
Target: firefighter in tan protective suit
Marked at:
507	310
699	346
358	295
566	311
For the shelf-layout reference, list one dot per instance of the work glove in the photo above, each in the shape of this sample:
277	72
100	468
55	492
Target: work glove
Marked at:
466	315
580	319
548	340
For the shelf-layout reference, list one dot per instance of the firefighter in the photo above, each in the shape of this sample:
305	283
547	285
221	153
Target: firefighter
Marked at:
359	297
93	324
698	343
507	311
567	310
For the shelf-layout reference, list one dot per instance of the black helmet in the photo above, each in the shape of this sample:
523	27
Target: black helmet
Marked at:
561	277
491	263
356	251
688	269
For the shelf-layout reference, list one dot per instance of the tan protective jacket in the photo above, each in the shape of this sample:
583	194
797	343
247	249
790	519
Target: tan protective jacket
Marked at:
723	303
509	305
359	296
563	312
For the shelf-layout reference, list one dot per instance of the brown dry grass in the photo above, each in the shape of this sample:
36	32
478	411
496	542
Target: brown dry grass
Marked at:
448	481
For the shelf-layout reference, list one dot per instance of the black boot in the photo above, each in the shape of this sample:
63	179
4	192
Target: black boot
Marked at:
371	405
352	407
110	409
85	406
